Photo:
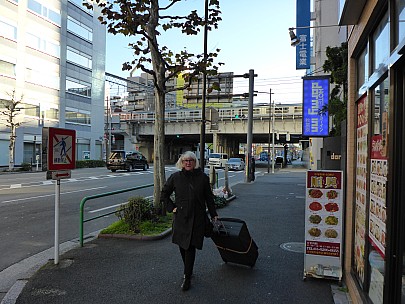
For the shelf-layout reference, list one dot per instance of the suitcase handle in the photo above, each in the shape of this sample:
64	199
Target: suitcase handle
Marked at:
219	227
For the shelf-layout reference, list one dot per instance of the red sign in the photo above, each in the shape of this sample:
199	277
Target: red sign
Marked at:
323	248
61	149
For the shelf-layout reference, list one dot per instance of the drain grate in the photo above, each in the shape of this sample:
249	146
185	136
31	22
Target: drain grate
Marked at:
293	246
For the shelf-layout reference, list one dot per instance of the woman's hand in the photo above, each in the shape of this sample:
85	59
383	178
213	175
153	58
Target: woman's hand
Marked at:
175	210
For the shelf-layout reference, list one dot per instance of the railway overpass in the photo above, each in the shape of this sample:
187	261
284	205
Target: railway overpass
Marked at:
225	131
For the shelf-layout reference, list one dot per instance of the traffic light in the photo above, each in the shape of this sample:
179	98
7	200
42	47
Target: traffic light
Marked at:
237	116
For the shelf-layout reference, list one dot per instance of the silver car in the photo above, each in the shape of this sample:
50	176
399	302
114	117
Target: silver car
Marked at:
236	164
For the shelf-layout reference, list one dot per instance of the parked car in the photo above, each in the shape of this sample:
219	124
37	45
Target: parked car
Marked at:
218	160
121	160
236	163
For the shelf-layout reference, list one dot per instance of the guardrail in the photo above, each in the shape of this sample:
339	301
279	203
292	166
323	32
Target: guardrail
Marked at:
91	197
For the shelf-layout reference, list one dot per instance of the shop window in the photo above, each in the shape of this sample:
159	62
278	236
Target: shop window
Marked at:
377	193
400	11
381	43
362	69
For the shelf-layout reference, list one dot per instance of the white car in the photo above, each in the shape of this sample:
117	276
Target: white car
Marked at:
236	164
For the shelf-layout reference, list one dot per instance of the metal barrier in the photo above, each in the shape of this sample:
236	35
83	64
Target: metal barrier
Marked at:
90	197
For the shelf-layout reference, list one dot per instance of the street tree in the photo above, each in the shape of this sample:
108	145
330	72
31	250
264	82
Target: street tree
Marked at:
145	21
9	109
336	65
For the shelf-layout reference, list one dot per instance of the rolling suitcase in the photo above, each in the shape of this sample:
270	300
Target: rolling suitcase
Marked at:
234	243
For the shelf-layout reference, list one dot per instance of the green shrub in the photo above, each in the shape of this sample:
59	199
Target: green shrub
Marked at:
89	163
137	209
25	167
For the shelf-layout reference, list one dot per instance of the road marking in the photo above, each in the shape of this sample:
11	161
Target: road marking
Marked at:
72	180
93	177
105	208
116	205
15	186
48	182
48	195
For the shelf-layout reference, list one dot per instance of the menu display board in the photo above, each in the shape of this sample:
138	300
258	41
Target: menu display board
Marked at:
323	224
361	185
378	190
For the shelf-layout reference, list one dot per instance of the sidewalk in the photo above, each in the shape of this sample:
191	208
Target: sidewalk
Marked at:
128	271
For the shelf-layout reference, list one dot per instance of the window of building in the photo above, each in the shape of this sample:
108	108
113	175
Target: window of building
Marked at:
78	116
42	72
378	189
78	87
7	68
78	57
46	12
79	28
362	69
79	3
400	11
52	114
8	30
36	42
29	109
381	43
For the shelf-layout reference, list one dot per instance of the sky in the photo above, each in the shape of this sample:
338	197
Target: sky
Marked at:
252	35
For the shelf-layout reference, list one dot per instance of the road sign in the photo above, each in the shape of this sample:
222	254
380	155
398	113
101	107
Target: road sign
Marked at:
61	149
61	174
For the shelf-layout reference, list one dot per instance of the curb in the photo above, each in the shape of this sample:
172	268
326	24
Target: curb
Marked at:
137	237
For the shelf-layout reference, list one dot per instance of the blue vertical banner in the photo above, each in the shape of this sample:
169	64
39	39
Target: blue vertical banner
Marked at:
303	49
315	116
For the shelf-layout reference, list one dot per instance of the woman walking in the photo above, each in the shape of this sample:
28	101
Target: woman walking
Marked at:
193	195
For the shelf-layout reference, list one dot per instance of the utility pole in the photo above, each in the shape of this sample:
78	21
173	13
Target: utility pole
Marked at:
204	88
272	134
268	148
248	177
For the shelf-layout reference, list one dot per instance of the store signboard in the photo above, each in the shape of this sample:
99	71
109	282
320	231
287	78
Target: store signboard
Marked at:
303	49
315	117
361	187
324	224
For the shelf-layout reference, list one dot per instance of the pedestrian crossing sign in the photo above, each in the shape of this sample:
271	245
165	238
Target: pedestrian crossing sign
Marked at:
62	149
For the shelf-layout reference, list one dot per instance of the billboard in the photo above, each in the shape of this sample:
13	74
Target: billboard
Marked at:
315	117
303	49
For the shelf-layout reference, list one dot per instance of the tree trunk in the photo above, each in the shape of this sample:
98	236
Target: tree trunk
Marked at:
159	149
11	149
160	92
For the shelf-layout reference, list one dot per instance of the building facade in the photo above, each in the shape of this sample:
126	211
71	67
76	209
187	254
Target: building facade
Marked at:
52	54
375	171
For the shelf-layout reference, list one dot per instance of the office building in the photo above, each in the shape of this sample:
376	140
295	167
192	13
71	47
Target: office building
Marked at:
52	53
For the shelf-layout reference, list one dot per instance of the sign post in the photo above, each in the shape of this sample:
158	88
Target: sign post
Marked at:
61	158
323	224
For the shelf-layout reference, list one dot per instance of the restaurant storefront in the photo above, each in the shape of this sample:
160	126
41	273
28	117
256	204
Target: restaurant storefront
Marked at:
375	190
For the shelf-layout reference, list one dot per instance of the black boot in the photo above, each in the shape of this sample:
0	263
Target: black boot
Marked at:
186	283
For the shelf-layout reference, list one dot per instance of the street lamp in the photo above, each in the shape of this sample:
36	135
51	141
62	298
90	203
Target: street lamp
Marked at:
296	40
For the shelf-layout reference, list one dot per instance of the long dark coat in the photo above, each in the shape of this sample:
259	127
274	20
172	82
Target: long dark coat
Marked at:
192	195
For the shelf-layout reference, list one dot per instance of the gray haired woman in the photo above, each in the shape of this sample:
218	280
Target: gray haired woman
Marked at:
193	195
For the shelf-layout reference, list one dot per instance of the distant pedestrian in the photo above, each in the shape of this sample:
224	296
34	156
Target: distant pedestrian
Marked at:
193	195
